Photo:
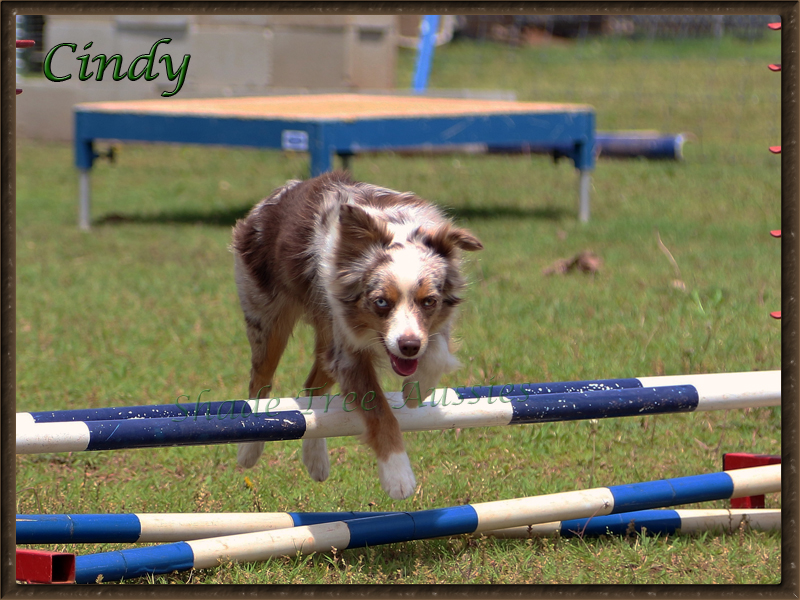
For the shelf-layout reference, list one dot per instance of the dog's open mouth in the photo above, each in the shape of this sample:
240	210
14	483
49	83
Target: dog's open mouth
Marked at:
403	366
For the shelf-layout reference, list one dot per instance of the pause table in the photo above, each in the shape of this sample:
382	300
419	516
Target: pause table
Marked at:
325	125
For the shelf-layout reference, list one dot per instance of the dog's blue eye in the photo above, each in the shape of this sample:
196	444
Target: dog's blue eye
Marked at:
381	303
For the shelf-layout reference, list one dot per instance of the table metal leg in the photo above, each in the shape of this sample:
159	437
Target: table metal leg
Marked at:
320	151
84	201
583	207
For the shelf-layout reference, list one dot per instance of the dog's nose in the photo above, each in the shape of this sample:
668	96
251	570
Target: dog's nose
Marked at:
408	345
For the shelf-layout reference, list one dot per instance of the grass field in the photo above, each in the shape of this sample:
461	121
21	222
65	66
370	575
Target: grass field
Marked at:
143	310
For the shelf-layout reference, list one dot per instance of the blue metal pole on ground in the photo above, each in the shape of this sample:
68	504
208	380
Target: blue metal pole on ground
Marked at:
427	42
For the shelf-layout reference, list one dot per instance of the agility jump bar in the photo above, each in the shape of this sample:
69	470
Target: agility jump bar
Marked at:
332	417
162	527
757	383
402	527
248	407
181	527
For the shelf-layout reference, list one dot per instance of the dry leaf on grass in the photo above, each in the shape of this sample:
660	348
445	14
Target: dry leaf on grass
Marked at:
585	262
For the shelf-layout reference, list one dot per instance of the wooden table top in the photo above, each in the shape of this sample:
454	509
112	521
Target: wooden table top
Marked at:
328	107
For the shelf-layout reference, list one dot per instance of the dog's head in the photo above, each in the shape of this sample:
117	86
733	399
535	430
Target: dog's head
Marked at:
397	282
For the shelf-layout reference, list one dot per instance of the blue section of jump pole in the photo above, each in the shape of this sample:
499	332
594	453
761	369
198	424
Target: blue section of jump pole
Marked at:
315	518
137	562
445	521
157	433
403	527
77	529
232	408
671	492
537	389
631	145
608	404
375	531
655	521
610	144
226	408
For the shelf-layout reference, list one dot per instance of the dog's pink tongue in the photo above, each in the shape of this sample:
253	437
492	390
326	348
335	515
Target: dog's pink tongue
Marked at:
403	366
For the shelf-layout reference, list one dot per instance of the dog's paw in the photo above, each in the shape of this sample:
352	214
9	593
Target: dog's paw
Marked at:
248	454
315	458
397	478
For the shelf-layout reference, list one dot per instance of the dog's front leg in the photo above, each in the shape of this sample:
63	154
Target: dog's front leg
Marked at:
360	385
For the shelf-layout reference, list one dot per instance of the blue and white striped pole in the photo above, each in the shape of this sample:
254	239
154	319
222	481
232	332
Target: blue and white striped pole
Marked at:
182	527
141	528
653	522
402	527
322	417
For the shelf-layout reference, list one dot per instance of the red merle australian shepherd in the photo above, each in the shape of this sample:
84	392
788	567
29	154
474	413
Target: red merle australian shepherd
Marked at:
376	273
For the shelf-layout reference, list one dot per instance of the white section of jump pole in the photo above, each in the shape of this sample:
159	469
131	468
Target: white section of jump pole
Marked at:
33	438
341	422
760	519
322	404
542	509
725	391
25	420
751	481
180	527
252	547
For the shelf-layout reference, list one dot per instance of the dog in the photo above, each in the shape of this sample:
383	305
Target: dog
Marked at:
376	273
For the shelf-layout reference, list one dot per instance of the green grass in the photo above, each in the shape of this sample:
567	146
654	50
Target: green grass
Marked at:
143	310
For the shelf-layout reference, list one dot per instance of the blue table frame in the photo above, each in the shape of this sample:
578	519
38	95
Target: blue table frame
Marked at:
341	124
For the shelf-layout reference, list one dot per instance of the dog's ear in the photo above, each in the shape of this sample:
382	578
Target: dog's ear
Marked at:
359	228
446	238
